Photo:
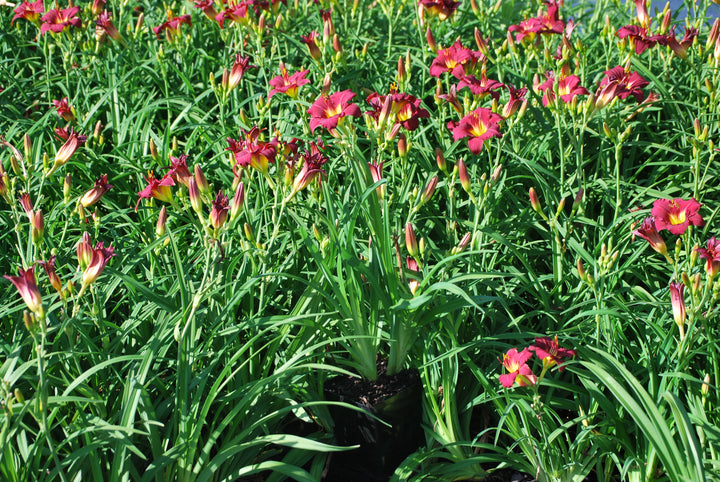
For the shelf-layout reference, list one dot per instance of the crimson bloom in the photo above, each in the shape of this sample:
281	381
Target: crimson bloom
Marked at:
480	125
517	369
313	161
548	23
638	36
482	86
63	109
235	12
454	59
27	287
288	84
676	215
57	20
441	9
179	171
548	350
328	110
156	188
311	41
621	83
517	97
97	192
679	47
219	211
29	11
105	25
172	27
49	267
396	109
240	66
649	233
253	153
207	7
711	255
99	258
568	86
73	141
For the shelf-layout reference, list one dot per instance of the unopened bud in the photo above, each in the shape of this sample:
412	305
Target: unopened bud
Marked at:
337	47
161	223
238	201
429	190
440	159
581	270
201	181
535	202
194	194
577	201
153	151
67	187
27	144
496	174
463	243
705	388
19	396
402	146
410	240
249	235
431	40
29	321
464	176
401	74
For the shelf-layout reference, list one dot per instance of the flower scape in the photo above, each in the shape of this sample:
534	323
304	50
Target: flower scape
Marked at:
216	209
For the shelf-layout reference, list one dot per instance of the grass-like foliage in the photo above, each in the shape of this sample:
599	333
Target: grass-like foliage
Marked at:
212	208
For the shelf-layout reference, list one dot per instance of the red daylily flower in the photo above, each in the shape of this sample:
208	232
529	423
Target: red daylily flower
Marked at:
480	125
677	300
57	20
63	109
97	192
311	41
104	24
328	110
73	141
412	265
548	350
441	9
207	7
240	66
517	97
568	86
179	171
396	109
376	174
679	47
219	211
156	188
29	11
451	98
313	161
638	36
49	268
482	86
172	27
236	12
454	59
649	233
288	84
253	153
544	24
27	287
711	255
676	215
99	258
619	82
517	369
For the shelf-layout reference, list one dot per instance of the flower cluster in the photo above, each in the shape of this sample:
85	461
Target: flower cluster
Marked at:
515	362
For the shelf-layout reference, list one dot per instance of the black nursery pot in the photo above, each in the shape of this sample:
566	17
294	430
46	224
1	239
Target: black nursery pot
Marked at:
397	400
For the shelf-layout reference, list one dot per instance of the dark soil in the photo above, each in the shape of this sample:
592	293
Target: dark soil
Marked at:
396	400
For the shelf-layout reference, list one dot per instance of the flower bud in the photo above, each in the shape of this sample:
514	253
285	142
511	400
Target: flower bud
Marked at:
463	243
410	240
238	201
249	235
29	321
431	40
402	145
401	73
429	190
38	227
464	176
440	159
201	181
194	195
535	202
161	227
27	144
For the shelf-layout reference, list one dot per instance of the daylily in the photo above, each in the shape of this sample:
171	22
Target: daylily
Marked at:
235	12
104	24
454	59
482	86
84	251
156	188
49	267
621	83
677	301
57	20
29	11
517	369
328	110
97	192
27	287
179	171
100	257
548	350
480	125
288	84
172	27
207	7
63	109
412	265
219	211
638	36
676	215
711	255
313	161
517	97
548	23
441	9
649	233
240	66
73	141
376	174
253	153
311	41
